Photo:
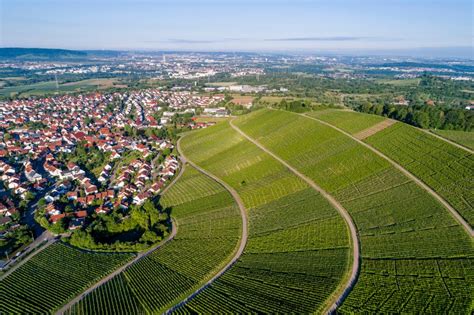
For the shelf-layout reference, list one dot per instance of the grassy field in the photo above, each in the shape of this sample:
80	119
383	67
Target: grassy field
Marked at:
400	82
463	138
210	119
351	122
209	228
445	168
415	257
53	277
272	100
298	249
49	87
217	84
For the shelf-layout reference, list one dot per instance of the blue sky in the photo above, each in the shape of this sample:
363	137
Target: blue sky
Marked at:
259	25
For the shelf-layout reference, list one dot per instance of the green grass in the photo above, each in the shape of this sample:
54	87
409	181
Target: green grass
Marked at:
209	228
53	277
49	87
445	168
400	82
351	122
463	138
298	252
398	222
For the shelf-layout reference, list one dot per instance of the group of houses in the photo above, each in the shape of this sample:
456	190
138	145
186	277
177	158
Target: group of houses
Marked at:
39	133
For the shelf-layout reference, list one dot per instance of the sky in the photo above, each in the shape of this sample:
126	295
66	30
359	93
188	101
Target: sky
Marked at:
246	25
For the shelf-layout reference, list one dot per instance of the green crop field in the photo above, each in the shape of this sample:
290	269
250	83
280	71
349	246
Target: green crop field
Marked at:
463	138
53	277
298	252
445	168
209	228
351	122
442	166
415	256
49	87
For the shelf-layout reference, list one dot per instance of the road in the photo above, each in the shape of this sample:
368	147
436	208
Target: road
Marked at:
46	236
342	211
243	239
40	235
174	230
452	211
140	256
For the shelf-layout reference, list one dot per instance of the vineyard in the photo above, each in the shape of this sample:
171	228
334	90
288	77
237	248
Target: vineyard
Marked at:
297	253
351	122
415	257
53	277
463	138
209	227
445	168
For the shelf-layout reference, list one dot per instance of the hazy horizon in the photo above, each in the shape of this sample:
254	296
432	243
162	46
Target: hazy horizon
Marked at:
421	28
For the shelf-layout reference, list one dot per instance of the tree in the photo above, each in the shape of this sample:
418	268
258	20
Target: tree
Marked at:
421	119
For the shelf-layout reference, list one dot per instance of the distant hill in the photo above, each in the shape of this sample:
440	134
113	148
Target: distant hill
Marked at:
39	53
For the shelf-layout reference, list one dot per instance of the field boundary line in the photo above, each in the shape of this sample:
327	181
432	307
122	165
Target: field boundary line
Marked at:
342	211
243	238
140	256
460	146
454	213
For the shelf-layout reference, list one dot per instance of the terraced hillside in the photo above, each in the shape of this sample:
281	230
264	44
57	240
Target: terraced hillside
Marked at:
463	138
53	277
209	228
297	255
445	168
415	256
348	120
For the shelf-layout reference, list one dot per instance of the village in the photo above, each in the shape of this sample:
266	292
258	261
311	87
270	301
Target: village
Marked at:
68	160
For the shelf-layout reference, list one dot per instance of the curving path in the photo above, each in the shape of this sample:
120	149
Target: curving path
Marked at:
342	211
174	230
447	140
452	211
119	270
243	239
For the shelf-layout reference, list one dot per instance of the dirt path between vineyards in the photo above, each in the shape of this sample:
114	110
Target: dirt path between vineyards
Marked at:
452	211
336	302
243	239
174	230
447	140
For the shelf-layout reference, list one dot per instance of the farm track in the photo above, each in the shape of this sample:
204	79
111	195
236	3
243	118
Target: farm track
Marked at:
342	211
447	140
420	183
243	239
174	230
361	135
